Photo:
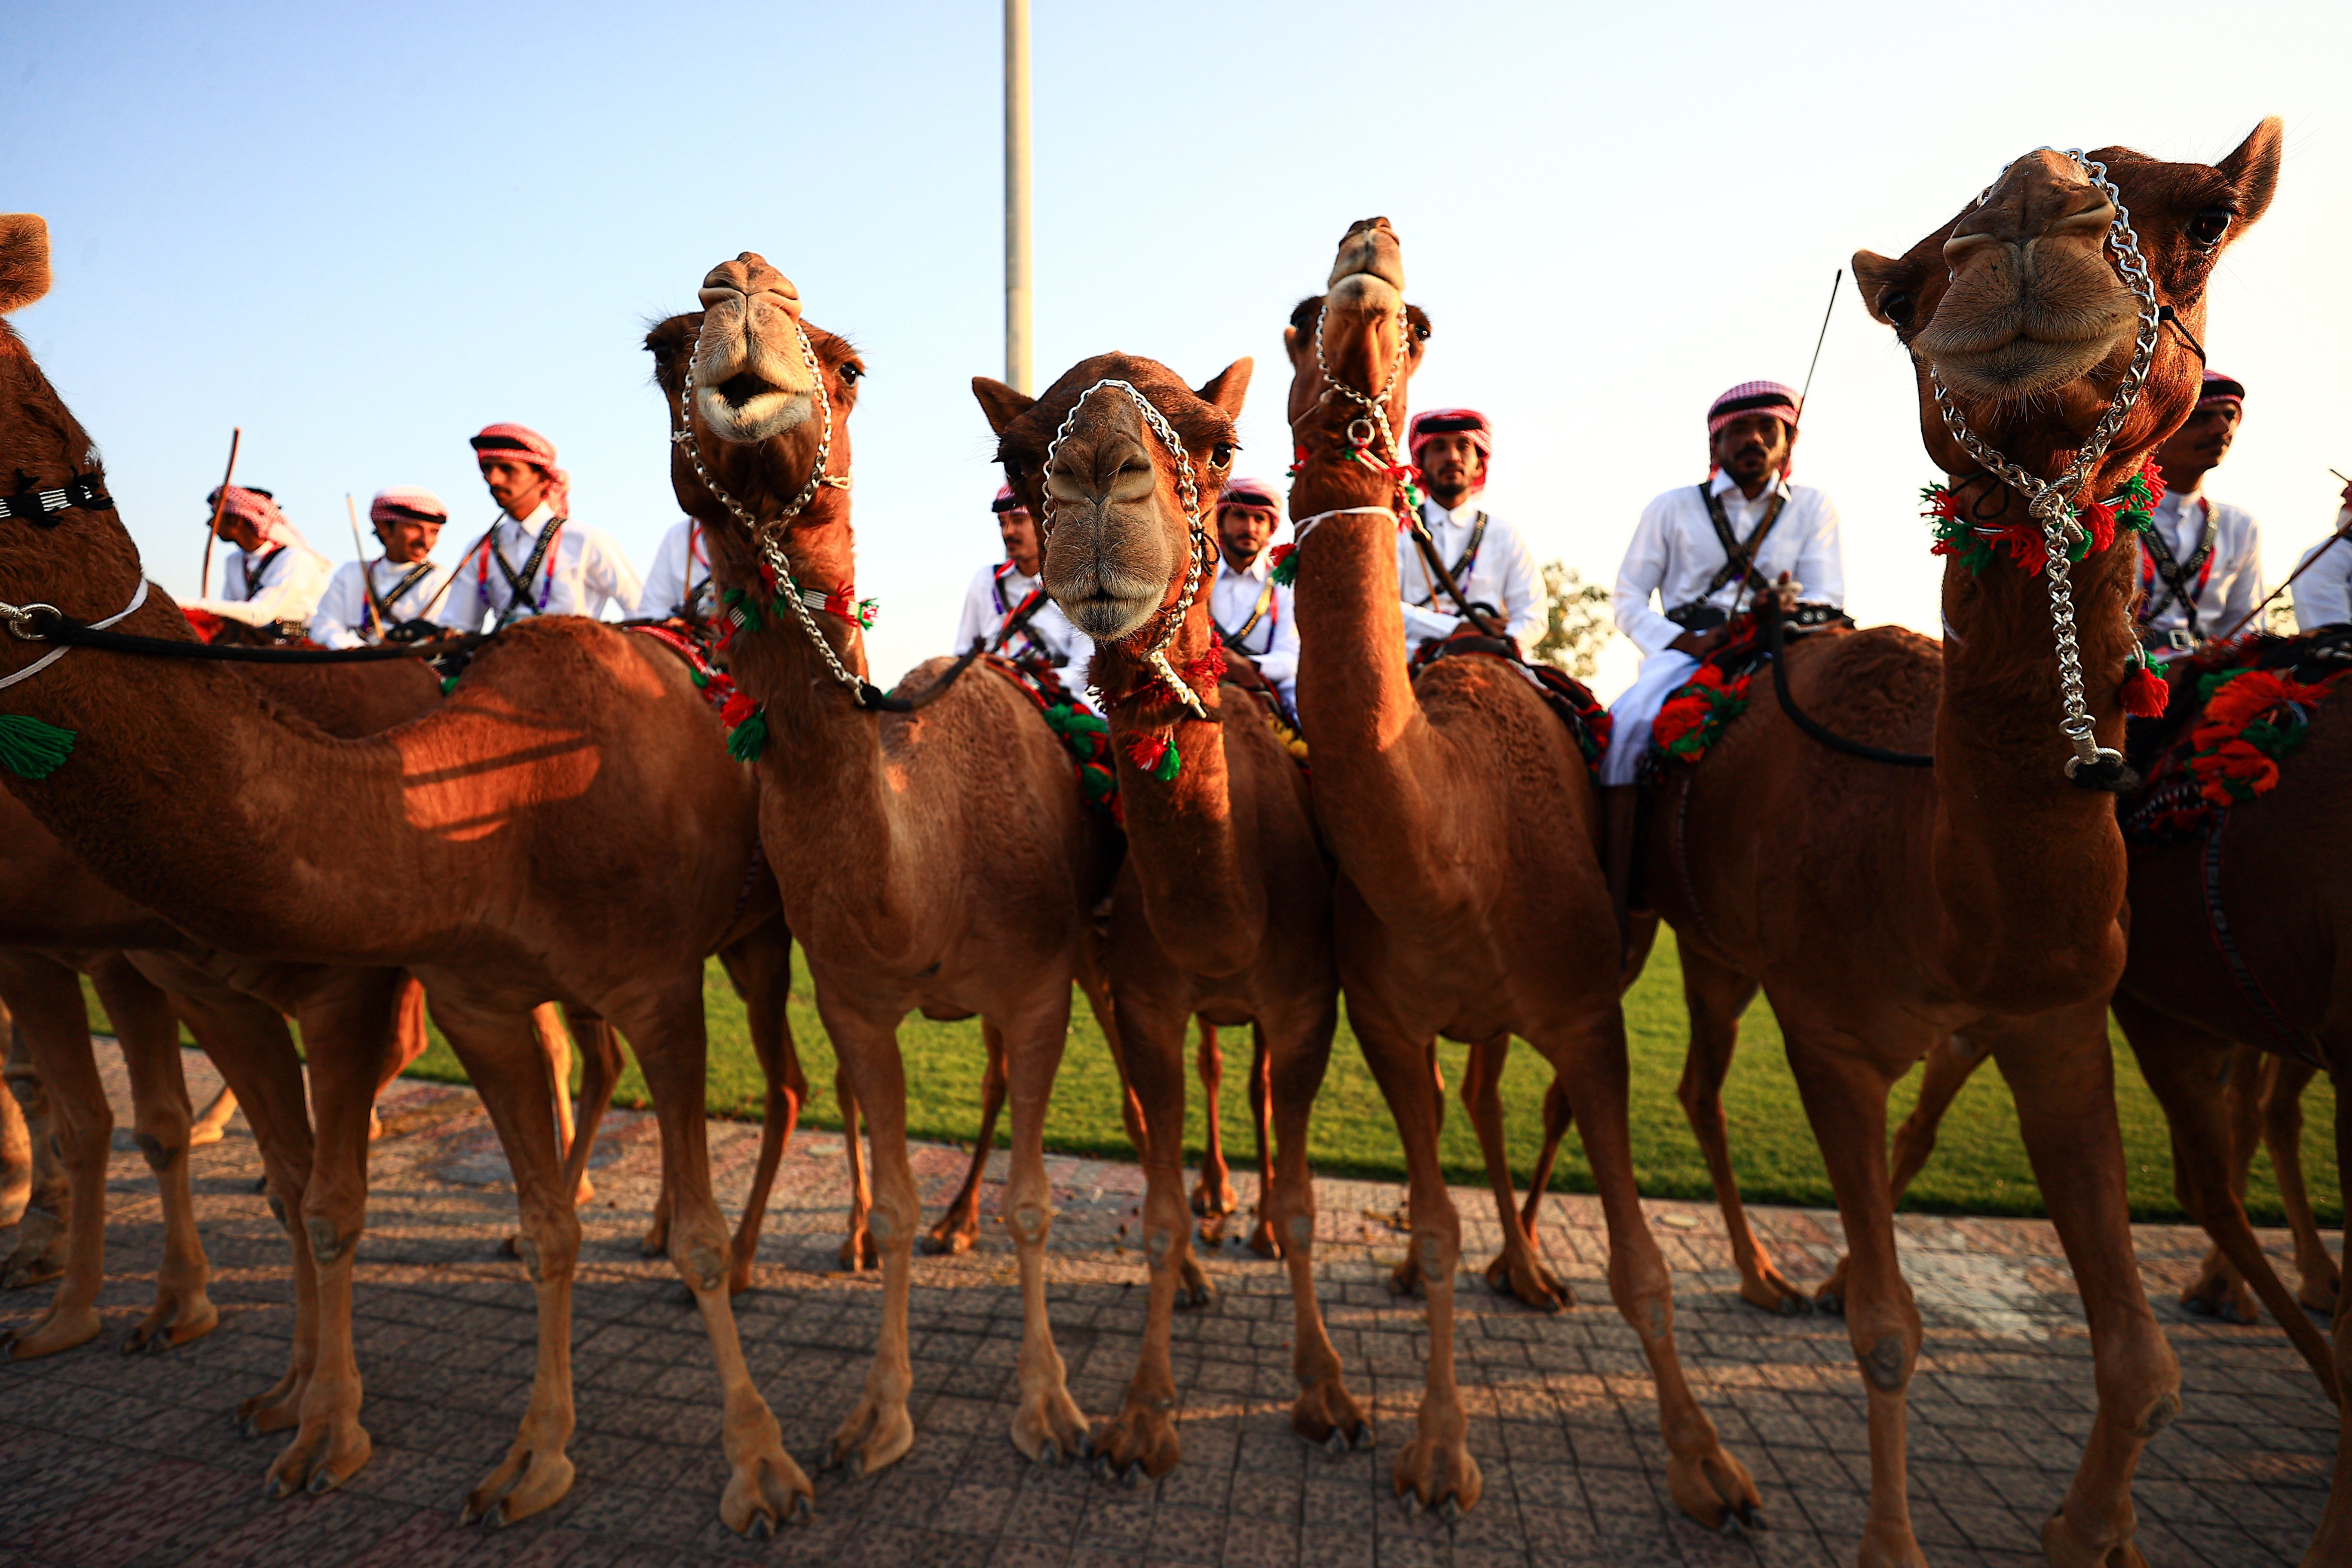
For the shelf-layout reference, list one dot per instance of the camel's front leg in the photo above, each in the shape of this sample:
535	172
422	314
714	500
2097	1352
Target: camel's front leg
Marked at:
879	1430
1140	1440
2062	1072
959	1227
760	967
2332	1546
1048	1425
17	1163
2319	1284
46	997
1716	995
1516	1271
1213	1197
1292	1052
150	1035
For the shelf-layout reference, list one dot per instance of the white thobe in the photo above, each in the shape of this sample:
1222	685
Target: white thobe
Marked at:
2225	590
581	573
2323	594
344	619
280	582
681	568
1256	617
1502	574
997	590
1674	555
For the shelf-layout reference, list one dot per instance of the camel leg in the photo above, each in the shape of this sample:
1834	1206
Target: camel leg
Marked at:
2319	1285
1949	1062
16	1144
872	1074
1516	1271
548	1023
2220	1290
1095	986
1048	1421
1557	1118
1406	1279
1704	1480
348	1026
857	1249
1435	1469
959	1227
39	1254
1263	1236
46	997
1141	1440
150	1036
1716	995
2061	1073
1214	1197
1294	1054
2183	1065
211	1124
2332	1546
410	1041
760	967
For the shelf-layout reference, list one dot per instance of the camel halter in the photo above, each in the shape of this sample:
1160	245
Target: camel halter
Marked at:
1189	495
29	748
2051	504
768	537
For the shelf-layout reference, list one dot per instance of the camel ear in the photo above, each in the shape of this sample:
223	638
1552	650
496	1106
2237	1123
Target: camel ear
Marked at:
1883	280
23	260
1000	403
1227	389
1290	344
2253	168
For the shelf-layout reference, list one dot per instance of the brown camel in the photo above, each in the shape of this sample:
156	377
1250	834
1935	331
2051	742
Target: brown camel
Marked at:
1463	816
1882	908
1224	906
491	848
939	860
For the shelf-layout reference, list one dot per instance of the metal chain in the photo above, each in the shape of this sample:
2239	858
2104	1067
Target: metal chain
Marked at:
1376	406
2051	504
768	536
1188	492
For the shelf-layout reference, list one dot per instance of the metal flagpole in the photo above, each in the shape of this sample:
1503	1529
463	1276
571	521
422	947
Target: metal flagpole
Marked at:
1017	373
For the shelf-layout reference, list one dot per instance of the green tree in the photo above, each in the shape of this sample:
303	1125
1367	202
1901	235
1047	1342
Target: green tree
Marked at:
2279	619
1577	621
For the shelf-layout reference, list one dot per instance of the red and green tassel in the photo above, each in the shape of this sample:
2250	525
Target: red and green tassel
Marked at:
747	726
1156	755
2145	693
1286	564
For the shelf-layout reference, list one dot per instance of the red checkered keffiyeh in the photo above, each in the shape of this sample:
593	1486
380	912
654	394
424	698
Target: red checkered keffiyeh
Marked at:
1453	422
1007	502
259	508
2221	389
520	443
1753	397
406	503
1256	494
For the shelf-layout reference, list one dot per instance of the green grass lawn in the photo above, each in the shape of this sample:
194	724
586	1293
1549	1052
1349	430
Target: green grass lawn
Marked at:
1979	1166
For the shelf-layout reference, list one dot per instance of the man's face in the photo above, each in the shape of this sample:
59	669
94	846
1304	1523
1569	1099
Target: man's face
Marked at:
1243	532
517	487
1450	463
245	535
2202	443
408	540
1019	531
1752	446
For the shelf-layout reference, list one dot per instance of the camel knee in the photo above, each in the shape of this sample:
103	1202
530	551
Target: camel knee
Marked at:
1885	1337
1289	1208
1644	1291
1030	1219
550	1244
160	1154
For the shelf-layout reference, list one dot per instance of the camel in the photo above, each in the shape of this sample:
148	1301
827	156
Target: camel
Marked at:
1465	907
1883	909
1222	907
940	859
492	850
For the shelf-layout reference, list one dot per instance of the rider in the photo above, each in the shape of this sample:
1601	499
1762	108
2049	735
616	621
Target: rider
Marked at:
366	600
2323	594
272	577
1002	590
679	581
1252	611
1706	550
2200	567
534	561
1488	560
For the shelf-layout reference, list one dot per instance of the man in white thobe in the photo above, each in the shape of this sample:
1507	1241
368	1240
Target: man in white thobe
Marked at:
1252	613
1679	554
2200	568
2323	594
678	581
395	593
1483	555
273	577
535	559
1001	589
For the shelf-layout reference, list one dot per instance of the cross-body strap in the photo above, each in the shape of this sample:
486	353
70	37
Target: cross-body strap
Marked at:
1738	559
383	603
2176	574
518	582
1422	540
1256	615
253	570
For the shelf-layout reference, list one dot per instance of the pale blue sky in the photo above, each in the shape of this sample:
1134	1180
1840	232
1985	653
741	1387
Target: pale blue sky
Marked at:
362	233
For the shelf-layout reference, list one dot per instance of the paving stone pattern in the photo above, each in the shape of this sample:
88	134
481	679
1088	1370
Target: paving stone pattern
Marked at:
106	1460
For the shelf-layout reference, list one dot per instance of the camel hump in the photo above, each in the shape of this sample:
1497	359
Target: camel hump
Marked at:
23	260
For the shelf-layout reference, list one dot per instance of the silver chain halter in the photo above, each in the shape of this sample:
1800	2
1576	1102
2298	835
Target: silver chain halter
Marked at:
1189	494
768	537
2051	503
1375	417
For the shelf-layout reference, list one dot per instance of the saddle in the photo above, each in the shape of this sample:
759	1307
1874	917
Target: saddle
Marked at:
1695	714
1569	699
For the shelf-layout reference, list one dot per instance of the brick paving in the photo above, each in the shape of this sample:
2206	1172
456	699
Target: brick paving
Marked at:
106	1460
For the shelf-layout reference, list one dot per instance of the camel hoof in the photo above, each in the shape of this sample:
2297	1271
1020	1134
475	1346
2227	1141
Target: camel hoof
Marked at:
1412	1505
323	1480
1261	1241
1132	1475
955	1243
1338	1443
803	1510
1450	1509
25	1276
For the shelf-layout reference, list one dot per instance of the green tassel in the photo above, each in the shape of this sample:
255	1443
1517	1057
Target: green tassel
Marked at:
448	684
745	616
1286	567
749	738
30	748
1170	764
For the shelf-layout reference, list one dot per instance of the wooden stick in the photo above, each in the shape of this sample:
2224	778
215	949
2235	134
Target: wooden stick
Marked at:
220	501
367	589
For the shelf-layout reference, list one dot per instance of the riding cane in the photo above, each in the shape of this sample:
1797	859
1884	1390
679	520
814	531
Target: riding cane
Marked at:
367	589
2334	539
220	502
1802	396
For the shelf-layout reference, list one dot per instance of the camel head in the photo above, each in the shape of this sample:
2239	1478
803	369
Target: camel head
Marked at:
1370	341
2018	306
1119	540
759	410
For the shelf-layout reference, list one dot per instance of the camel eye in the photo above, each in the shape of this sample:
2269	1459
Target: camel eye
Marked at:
1221	455
2209	225
850	371
1421	332
1896	305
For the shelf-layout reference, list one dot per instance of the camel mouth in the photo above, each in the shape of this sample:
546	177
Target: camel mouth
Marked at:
1106	616
752	379
2023	366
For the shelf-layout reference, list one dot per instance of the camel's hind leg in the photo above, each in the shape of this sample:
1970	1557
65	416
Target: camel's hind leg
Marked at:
2332	1546
15	1140
857	1249
760	967
150	1035
959	1227
1948	1065
46	997
2320	1285
1140	1440
2218	1290
2061	1074
1516	1271
39	1254
1295	1052
554	1032
1263	1238
1214	1198
1559	1116
1716	995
